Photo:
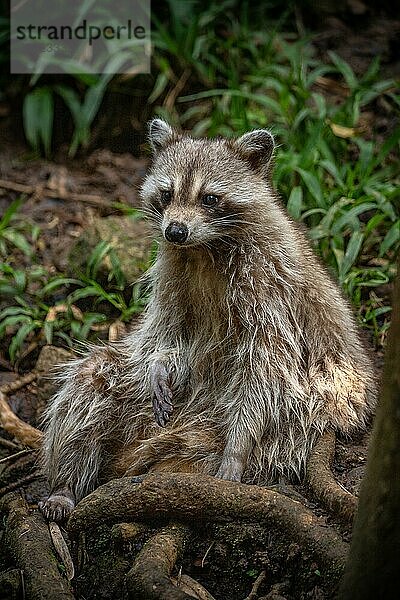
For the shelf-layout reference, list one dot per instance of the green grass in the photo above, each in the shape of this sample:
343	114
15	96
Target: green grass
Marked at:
45	308
217	72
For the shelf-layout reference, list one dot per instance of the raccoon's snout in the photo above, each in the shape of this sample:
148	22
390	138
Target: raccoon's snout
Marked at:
177	233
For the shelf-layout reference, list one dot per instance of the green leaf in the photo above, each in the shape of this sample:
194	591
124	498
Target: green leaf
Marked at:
11	321
96	257
295	202
48	329
345	70
10	211
313	186
332	169
387	146
18	240
377	312
351	254
85	292
117	272
347	219
390	239
57	283
38	112
159	86
19	338
13	310
89	320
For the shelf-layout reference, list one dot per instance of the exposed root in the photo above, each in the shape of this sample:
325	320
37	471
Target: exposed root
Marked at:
19	383
190	497
149	577
320	480
126	532
25	433
192	587
29	545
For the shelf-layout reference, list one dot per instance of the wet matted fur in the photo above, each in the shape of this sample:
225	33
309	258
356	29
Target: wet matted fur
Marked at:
245	335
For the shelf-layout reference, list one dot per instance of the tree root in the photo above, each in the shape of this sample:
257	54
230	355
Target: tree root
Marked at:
126	532
25	433
28	542
149	577
11	584
194	497
319	478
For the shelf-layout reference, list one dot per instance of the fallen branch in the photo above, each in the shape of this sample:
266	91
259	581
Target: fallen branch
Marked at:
28	542
19	383
25	433
192	587
320	480
29	190
60	546
194	497
13	457
149	577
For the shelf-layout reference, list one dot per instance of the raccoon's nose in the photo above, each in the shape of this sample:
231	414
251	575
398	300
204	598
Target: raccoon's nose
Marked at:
176	233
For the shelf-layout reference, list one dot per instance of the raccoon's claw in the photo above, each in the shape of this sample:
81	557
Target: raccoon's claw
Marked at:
162	398
58	506
162	407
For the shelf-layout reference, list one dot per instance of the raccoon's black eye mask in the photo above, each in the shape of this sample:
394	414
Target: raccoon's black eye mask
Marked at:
166	197
210	200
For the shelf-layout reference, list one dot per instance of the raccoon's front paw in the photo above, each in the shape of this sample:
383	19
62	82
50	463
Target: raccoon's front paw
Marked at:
162	394
58	505
231	469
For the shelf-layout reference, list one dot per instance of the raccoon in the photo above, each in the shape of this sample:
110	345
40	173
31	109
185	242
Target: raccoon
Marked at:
245	354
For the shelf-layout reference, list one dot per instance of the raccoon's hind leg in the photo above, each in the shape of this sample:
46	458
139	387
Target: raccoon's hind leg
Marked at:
81	420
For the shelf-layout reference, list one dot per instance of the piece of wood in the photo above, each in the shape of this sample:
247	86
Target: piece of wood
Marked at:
29	545
21	188
149	577
195	497
25	433
321	482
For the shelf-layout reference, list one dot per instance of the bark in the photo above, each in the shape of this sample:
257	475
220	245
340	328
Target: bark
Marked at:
194	497
149	577
28	543
322	484
373	567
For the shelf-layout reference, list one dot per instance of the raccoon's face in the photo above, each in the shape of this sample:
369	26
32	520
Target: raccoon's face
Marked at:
200	190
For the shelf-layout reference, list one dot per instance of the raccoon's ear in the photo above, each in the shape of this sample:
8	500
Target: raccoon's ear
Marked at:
257	147
160	134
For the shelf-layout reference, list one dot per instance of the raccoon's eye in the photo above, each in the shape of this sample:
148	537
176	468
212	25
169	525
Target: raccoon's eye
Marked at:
209	200
166	197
